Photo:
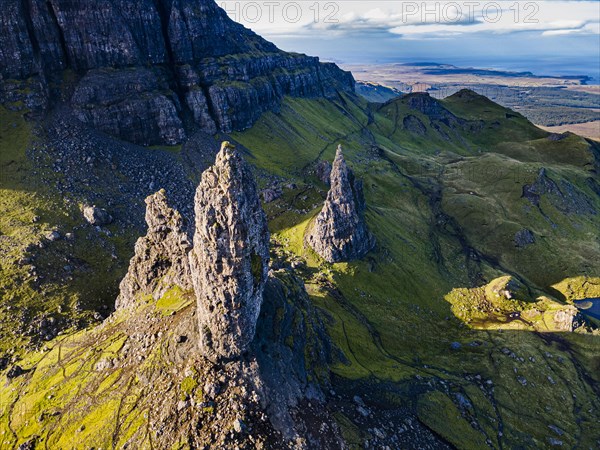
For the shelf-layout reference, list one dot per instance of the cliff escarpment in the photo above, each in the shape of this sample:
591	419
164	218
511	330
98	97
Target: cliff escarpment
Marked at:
150	71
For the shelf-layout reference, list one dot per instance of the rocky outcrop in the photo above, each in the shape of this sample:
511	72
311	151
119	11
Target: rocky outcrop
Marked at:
426	104
161	257
568	319
230	258
524	237
339	232
262	323
414	125
139	69
134	104
564	196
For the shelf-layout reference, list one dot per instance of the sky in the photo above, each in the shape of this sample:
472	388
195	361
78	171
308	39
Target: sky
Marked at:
546	37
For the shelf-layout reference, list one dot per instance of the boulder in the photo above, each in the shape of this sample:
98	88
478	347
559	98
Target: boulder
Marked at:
271	194
97	216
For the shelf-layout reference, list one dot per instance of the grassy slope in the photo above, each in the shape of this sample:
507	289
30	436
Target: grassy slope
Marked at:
388	313
69	296
390	319
72	393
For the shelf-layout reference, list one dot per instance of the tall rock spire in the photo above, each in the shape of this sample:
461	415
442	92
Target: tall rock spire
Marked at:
339	232
230	257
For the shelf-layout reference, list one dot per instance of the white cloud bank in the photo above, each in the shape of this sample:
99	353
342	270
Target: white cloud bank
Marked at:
415	19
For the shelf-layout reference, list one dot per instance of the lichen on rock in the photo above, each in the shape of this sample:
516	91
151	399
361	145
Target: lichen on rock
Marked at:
339	232
230	258
161	257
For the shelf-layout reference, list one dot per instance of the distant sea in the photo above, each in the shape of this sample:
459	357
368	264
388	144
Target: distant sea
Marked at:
550	67
360	50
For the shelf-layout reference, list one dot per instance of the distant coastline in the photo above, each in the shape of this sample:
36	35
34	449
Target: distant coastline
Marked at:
485	69
584	73
447	69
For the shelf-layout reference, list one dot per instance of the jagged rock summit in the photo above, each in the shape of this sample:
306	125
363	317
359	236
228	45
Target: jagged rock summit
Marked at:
276	352
150	71
161	257
228	265
230	258
339	232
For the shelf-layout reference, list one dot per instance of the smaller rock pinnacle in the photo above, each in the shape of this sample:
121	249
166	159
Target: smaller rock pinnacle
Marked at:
339	232
161	257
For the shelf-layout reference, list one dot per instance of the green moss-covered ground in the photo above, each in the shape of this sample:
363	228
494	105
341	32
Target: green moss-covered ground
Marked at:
445	207
64	281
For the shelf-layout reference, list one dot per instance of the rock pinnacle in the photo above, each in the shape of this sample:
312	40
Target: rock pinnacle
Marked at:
230	257
161	257
339	232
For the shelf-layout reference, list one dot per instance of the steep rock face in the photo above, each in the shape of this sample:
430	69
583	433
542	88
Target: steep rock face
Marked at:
200	29
197	60
291	347
110	33
339	232
16	49
230	258
47	35
134	104
161	257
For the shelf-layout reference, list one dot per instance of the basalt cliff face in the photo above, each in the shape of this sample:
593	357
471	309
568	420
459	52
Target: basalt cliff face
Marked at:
150	71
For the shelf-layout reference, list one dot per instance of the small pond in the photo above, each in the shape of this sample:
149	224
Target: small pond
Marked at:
589	307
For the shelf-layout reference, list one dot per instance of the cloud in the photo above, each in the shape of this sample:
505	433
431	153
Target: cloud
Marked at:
378	19
412	20
587	28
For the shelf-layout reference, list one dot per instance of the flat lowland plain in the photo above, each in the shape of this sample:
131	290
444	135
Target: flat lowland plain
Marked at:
434	74
588	129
